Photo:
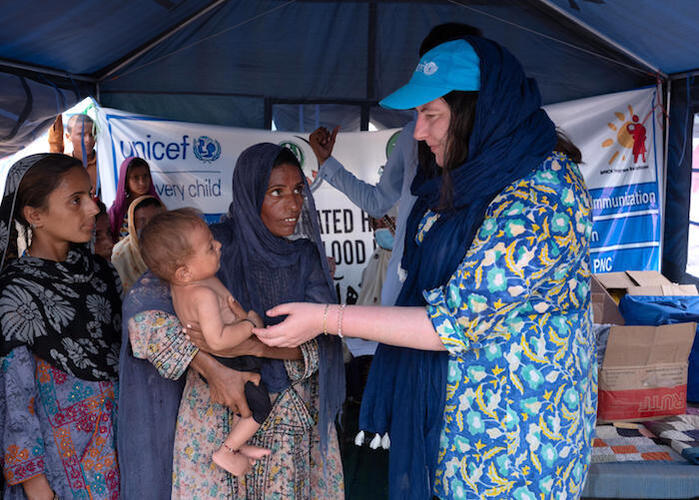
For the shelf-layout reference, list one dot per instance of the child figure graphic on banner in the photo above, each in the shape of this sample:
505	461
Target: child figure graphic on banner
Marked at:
638	132
134	181
178	247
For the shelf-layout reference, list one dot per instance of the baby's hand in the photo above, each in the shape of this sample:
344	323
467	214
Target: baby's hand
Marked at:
256	319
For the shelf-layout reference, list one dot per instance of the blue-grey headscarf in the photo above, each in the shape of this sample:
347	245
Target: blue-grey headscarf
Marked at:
262	270
148	402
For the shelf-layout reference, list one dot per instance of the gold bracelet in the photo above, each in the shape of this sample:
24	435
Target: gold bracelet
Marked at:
325	319
340	313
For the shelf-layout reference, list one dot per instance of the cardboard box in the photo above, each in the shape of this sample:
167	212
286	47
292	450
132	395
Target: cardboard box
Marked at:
604	308
644	372
641	283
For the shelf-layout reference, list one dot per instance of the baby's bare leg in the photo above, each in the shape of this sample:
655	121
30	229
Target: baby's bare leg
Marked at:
234	455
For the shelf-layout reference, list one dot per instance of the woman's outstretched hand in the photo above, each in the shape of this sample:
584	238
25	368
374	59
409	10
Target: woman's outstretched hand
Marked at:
303	322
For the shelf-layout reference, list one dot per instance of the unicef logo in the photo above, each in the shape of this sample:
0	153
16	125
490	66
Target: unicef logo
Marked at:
295	148
206	149
430	68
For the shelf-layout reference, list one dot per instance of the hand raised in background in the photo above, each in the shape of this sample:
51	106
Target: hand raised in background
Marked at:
322	142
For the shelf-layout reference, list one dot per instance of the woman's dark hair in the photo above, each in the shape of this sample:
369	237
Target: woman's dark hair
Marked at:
566	146
462	105
447	32
102	208
40	181
286	156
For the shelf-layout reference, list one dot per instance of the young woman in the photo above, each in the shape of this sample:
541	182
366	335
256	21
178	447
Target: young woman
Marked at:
59	322
497	395
134	181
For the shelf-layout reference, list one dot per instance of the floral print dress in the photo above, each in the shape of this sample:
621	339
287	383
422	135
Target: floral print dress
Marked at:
294	470
521	395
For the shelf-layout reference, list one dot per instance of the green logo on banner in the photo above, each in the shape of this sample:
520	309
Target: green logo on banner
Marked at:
295	148
391	144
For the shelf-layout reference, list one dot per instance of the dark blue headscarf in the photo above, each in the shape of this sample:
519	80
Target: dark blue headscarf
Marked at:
262	270
406	391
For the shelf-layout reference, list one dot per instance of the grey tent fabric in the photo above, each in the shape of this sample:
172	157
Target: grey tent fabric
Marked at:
312	51
229	62
27	108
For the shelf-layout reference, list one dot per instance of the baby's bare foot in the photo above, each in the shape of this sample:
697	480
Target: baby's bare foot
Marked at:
234	462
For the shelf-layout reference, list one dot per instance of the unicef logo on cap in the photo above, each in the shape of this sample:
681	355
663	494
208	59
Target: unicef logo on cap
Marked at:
428	68
206	149
295	148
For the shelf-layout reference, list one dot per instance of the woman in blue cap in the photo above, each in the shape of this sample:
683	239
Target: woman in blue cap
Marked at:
485	381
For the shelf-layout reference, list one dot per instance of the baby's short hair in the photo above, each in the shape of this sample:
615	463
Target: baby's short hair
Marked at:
165	243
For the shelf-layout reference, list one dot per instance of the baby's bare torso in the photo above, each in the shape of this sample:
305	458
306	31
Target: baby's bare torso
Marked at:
185	308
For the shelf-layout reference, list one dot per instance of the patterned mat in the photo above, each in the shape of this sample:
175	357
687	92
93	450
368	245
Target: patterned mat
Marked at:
680	432
629	442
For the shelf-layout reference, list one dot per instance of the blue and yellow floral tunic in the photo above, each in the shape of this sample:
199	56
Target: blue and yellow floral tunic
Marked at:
521	396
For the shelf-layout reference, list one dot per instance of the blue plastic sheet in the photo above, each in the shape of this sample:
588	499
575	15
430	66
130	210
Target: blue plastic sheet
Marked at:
667	310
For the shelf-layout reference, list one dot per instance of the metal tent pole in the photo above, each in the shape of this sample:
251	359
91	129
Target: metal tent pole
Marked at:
161	38
602	36
46	71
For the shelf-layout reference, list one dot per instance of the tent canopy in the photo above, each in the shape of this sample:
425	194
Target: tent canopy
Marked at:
303	63
231	62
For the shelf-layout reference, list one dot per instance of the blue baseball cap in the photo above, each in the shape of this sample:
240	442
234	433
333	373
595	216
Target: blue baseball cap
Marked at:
450	66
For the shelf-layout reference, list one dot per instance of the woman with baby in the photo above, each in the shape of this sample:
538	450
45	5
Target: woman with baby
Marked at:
270	253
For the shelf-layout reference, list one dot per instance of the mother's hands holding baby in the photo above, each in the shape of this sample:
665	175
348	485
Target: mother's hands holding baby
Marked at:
304	321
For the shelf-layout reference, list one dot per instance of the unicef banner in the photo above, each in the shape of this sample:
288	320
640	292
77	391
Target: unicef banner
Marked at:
620	136
192	165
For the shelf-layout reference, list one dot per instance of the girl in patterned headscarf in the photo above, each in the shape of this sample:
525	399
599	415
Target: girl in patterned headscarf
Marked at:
59	338
485	381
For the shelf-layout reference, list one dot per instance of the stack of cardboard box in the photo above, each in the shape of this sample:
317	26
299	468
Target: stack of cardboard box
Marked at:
644	371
